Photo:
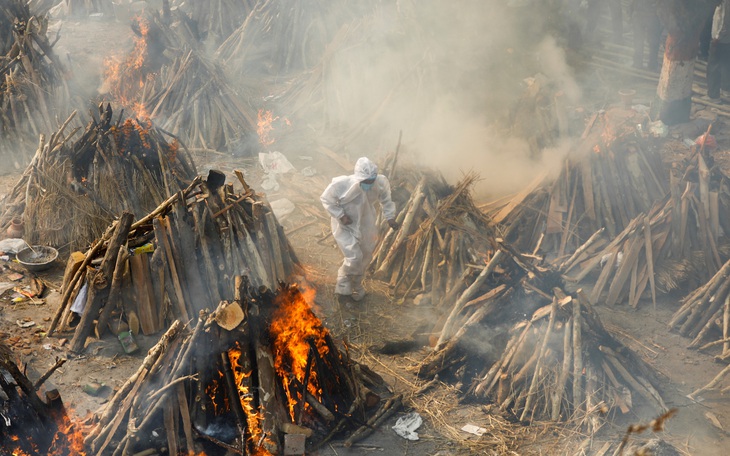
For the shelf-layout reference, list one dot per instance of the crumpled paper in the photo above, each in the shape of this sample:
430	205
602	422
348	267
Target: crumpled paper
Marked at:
407	424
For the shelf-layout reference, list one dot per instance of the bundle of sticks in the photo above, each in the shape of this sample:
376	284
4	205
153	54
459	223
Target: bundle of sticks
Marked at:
33	423
200	238
558	363
192	98
274	38
252	377
705	314
32	79
216	20
72	190
677	241
441	237
611	177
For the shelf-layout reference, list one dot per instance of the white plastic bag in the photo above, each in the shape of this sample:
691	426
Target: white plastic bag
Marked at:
275	163
407	424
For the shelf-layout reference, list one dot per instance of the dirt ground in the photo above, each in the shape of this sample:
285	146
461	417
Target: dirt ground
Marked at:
368	324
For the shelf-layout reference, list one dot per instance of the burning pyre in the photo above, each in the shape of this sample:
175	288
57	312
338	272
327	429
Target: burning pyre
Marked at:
73	188
185	93
274	374
32	423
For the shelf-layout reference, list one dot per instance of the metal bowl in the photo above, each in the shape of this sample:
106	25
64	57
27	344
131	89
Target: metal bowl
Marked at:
40	258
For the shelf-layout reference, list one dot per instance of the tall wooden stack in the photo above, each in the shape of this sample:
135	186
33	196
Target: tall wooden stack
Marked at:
202	237
258	371
73	188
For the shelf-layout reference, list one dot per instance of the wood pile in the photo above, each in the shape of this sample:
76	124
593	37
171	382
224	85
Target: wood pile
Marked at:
188	250
32	79
216	20
611	177
676	243
521	342
250	378
166	78
192	98
34	420
73	189
442	237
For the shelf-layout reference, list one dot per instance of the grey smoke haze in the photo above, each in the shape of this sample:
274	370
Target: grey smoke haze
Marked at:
446	73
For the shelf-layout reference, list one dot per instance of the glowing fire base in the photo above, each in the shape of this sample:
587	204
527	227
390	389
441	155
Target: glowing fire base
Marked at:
275	371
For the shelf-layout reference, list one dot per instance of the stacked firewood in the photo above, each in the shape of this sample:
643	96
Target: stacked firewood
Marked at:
72	189
216	20
441	239
200	238
33	423
165	77
192	98
611	177
253	377
537	352
676	242
32	78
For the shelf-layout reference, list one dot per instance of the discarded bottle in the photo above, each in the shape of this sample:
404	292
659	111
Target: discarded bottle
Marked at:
128	343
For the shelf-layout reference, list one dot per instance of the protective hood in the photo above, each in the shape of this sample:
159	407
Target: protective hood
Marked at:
365	169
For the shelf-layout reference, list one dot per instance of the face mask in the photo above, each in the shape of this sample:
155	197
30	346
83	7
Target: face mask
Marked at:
365	186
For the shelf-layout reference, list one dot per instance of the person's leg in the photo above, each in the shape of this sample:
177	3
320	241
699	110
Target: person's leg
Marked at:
358	291
714	71
351	264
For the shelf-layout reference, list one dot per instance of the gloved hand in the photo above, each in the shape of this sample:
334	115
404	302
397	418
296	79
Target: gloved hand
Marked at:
345	220
393	224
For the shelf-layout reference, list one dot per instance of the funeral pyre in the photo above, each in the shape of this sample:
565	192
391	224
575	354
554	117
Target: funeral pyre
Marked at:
34	419
507	330
199	239
257	376
72	189
167	77
33	85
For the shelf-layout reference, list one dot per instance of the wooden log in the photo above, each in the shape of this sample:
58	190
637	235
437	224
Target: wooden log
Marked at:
163	242
577	356
404	231
565	371
142	283
115	292
540	359
391	406
101	282
467	296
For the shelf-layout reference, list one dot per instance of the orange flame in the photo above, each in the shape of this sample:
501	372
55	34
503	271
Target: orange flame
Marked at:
265	121
254	417
294	325
125	77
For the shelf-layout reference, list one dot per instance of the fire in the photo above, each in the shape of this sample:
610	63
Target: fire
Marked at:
67	441
254	417
125	77
265	121
295	329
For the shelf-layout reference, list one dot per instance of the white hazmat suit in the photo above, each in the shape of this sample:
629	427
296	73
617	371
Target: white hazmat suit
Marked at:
345	196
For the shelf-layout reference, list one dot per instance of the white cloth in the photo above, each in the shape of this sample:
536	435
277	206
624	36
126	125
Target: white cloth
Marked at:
356	241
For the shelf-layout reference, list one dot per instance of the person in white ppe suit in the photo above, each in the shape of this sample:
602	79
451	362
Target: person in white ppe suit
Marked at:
350	200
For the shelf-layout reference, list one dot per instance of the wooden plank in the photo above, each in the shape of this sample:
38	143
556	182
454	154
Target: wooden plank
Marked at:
587	178
603	277
715	214
144	295
649	259
519	198
630	257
